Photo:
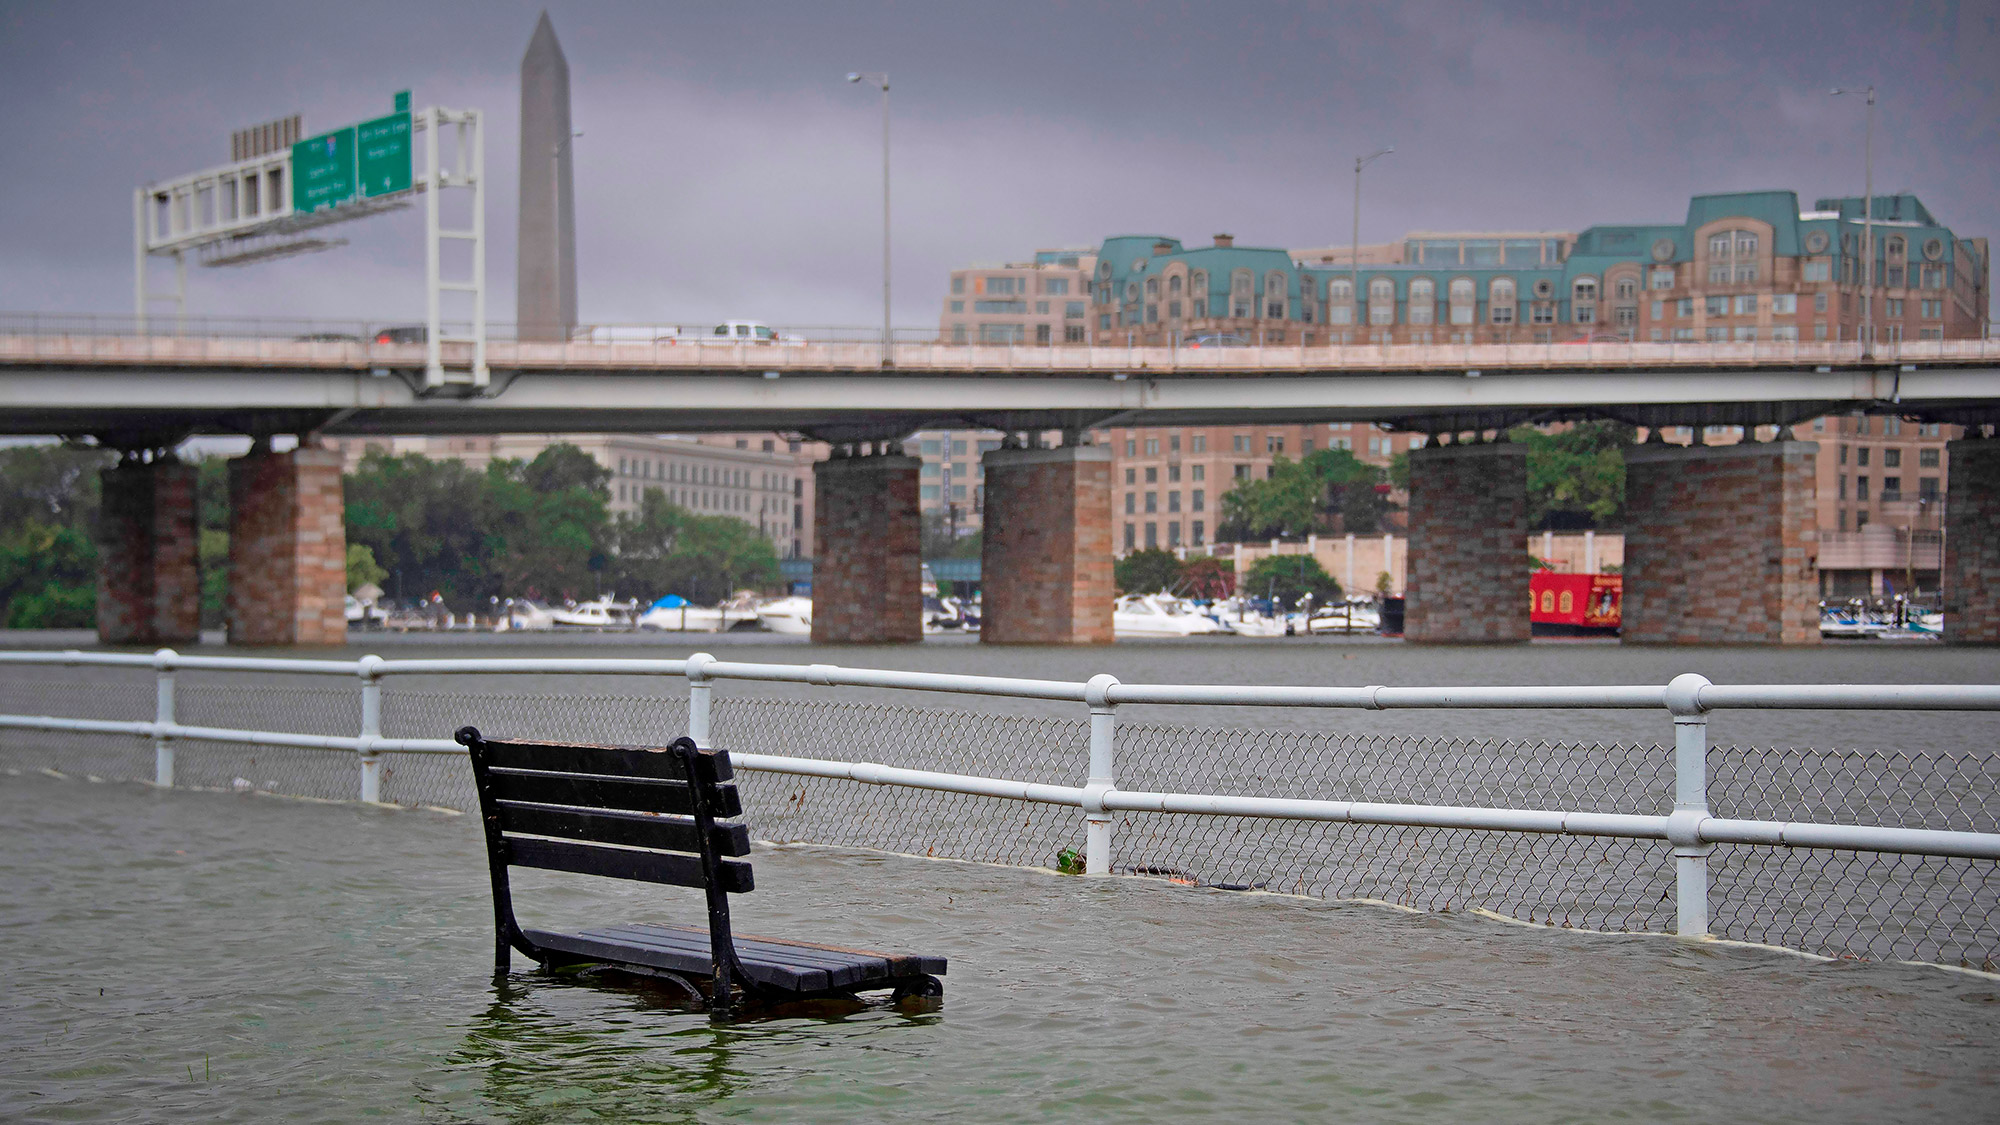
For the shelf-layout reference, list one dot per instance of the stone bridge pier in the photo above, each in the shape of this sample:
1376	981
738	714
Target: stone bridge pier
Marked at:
1721	544
1046	554
868	531
1971	576
1467	580
287	548
149	569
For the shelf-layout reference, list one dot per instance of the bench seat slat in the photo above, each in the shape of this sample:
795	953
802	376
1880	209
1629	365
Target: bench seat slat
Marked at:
612	826
841	971
613	761
620	863
898	964
596	791
691	958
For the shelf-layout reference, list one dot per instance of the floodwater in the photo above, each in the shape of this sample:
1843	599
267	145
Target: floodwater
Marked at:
177	956
202	956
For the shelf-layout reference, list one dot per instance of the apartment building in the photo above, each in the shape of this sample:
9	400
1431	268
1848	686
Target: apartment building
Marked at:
1043	301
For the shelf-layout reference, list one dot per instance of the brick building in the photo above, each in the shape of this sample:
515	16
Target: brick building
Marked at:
1044	301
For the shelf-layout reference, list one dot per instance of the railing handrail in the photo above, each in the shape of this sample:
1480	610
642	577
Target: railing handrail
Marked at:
1707	696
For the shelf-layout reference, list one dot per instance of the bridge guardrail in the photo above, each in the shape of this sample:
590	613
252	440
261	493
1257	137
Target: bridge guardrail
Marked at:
1843	853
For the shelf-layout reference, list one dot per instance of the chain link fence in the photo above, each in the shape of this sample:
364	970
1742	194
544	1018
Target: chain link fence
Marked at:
1837	903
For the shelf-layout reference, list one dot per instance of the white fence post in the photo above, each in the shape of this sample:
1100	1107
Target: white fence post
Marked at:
163	714
371	728
1690	805
1103	774
698	693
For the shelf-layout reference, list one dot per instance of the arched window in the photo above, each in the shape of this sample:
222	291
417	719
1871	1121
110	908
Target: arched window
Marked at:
1152	287
1340	289
1242	301
1464	302
1276	284
1501	301
1174	286
1423	301
1627	288
1894	248
1583	300
1381	301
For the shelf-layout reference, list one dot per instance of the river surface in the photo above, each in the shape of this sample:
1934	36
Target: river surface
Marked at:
241	957
177	956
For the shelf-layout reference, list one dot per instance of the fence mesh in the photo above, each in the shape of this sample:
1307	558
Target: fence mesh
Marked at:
1842	904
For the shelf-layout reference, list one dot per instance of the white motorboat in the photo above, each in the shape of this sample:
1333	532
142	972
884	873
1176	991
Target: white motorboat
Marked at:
792	616
1161	615
1356	615
598	613
674	614
520	613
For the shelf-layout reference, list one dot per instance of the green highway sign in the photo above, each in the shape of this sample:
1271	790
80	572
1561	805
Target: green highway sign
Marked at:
323	170
382	155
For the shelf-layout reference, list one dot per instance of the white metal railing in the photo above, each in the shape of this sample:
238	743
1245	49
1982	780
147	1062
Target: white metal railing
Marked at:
88	339
1689	829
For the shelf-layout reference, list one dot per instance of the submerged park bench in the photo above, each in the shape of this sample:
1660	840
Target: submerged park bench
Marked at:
652	815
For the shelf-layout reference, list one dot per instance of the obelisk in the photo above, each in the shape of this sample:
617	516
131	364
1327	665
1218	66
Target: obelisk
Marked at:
545	267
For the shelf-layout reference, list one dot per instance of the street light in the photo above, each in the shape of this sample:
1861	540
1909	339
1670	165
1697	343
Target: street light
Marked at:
888	340
1354	260
1867	218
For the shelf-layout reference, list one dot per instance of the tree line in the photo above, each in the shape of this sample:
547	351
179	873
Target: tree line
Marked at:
416	527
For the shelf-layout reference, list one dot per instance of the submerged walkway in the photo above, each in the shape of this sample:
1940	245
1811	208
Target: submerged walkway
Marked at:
201	955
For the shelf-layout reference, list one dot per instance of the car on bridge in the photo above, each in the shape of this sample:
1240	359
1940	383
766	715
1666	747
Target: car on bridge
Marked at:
750	332
1215	341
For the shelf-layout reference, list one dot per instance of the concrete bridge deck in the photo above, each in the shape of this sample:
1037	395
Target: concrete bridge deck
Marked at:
88	383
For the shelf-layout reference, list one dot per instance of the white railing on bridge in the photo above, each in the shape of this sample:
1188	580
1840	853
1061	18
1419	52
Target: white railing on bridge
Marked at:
87	340
1689	831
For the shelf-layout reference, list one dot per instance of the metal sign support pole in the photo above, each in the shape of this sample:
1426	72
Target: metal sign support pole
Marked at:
433	312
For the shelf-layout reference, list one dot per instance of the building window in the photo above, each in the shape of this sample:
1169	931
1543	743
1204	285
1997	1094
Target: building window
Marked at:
1273	443
1198	472
1173	310
1198	530
1659	310
1625	316
1892	458
1746	274
1174	473
1200	444
1895	306
1817	269
1130	537
1152	501
1152	536
1746	304
1131	447
1746	333
1927	458
1662	277
1422	301
1198	501
1892	489
1131	503
1501	300
1242	472
1152	450
1242	443
1131	475
1784	304
1173	501
1542	312
1861	454
1684	306
1717	306
1626	288
1927	489
1381	301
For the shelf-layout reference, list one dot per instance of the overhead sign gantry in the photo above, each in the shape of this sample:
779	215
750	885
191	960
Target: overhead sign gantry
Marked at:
281	191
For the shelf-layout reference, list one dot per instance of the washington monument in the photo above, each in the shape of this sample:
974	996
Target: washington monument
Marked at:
545	266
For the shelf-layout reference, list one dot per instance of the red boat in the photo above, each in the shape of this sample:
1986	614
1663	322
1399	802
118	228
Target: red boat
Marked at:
1574	605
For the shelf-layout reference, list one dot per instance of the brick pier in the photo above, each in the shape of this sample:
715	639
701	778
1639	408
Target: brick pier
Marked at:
149	572
1046	559
1971	578
287	549
1468	570
868	564
1721	544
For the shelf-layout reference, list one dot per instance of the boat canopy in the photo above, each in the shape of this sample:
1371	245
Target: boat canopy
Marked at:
671	601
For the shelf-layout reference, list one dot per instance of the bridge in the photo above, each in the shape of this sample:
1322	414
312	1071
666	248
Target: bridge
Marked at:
63	381
1721	541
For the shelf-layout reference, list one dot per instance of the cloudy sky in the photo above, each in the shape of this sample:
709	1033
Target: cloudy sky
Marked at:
727	170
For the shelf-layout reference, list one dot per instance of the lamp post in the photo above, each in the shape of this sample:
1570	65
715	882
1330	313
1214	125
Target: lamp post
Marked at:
1867	218
888	339
1354	257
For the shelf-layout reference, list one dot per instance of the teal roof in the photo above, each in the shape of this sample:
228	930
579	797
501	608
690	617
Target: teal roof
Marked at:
1778	208
1895	208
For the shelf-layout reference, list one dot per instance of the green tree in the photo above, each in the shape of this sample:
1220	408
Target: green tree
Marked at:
362	569
664	549
423	521
1576	476
1146	572
1287	578
546	524
1302	497
49	497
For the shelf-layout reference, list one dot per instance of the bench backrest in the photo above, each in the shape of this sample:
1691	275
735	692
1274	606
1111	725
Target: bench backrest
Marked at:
557	806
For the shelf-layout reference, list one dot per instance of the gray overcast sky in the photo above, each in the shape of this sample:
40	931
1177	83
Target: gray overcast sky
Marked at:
728	170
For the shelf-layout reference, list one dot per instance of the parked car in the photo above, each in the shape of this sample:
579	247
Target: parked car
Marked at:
403	334
1215	341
